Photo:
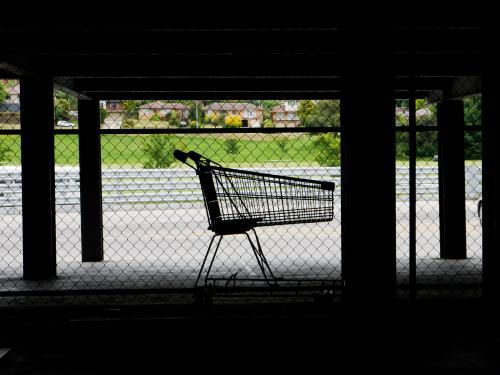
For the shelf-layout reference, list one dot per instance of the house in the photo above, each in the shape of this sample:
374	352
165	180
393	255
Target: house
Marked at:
163	110
10	108
115	113
250	114
424	116
285	114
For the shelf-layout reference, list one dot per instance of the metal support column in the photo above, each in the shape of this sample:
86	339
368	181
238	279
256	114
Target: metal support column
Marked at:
90	180
453	243
37	158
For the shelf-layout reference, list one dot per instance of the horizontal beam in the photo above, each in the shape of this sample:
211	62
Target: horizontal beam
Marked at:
234	65
216	41
114	85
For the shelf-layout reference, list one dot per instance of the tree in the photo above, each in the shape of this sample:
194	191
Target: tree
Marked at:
472	110
131	108
158	150
61	109
327	149
325	113
305	109
103	114
174	118
3	93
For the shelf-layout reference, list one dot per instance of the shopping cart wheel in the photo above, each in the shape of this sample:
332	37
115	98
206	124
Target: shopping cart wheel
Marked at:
326	297
203	297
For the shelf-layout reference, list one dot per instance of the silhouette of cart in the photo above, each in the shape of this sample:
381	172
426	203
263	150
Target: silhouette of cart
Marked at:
237	201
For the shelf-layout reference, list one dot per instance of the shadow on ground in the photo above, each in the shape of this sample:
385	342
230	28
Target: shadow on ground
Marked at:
449	337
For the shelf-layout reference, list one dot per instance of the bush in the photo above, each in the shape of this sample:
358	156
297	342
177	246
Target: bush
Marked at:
155	117
268	123
282	144
158	150
5	153
212	118
193	124
232	146
233	121
328	149
128	124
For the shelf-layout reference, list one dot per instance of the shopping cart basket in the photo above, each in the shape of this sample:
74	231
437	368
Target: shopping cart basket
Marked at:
237	201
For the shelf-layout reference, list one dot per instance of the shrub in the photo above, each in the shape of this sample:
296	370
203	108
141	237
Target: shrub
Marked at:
158	150
233	121
328	149
155	117
268	123
211	118
193	124
5	153
282	144
232	146
128	123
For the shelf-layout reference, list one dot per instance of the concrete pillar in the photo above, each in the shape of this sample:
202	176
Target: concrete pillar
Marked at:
450	115
368	168
90	180
37	157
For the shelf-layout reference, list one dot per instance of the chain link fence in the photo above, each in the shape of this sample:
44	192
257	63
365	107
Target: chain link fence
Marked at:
154	221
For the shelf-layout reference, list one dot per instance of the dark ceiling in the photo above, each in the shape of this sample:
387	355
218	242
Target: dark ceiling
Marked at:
151	61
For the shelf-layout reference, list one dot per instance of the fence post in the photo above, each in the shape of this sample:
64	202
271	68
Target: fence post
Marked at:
90	180
368	168
37	158
450	117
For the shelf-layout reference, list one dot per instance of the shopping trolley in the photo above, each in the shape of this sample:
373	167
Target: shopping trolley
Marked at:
237	201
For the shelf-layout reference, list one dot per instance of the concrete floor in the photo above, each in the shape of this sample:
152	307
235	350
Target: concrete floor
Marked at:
154	246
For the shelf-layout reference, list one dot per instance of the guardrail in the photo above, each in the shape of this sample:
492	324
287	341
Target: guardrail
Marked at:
181	185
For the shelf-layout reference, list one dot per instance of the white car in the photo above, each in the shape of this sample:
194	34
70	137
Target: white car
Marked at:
65	124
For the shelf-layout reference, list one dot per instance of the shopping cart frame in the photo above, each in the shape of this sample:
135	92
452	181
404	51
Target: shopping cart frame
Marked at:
242	220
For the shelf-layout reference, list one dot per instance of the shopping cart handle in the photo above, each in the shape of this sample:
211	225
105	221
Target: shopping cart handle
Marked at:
194	156
181	155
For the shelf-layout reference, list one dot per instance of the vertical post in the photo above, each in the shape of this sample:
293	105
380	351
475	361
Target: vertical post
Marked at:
90	180
413	195
450	116
368	167
37	157
491	182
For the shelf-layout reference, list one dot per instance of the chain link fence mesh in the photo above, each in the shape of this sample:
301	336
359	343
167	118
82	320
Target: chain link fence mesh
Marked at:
155	225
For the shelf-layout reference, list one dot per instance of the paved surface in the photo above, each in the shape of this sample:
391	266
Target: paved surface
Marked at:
151	246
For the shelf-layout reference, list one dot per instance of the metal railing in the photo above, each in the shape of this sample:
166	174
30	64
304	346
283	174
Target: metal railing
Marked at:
180	185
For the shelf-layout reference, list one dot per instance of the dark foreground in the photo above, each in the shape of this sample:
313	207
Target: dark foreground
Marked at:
450	337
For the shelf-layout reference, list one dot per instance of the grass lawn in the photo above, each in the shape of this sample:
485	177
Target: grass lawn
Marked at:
126	150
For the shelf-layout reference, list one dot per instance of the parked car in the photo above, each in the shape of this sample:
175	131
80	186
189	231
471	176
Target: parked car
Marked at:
65	124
